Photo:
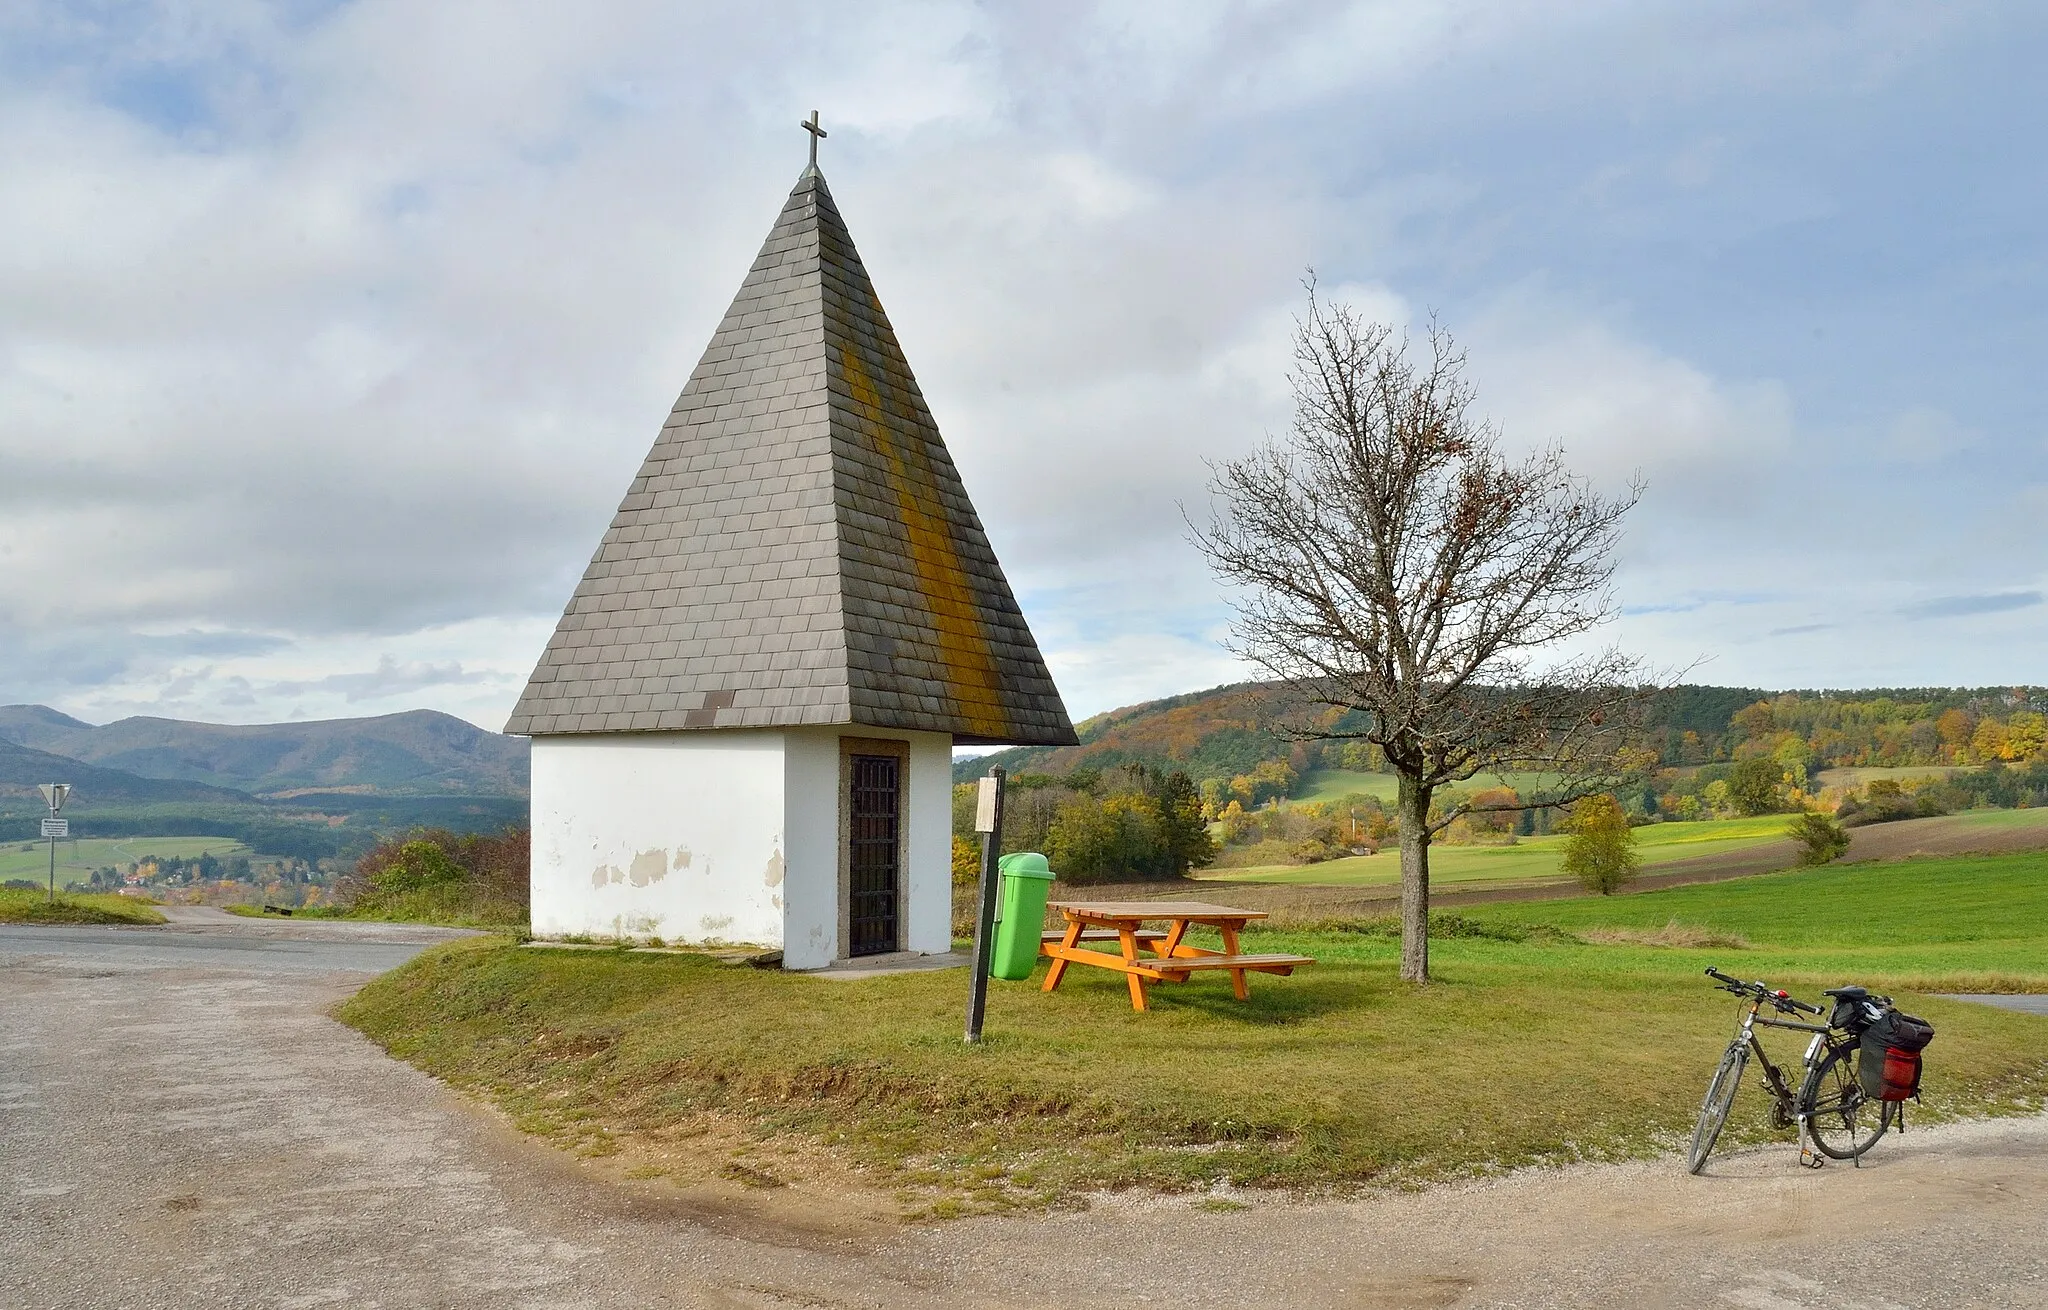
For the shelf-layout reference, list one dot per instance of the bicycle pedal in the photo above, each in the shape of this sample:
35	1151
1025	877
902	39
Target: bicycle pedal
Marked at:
1811	1159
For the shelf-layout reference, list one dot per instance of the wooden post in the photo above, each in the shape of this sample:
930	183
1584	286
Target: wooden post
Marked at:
988	821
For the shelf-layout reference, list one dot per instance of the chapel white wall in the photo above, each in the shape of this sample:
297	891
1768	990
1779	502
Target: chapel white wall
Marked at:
810	922
671	835
813	784
928	922
727	836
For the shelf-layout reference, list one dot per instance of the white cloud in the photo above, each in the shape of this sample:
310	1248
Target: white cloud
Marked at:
329	338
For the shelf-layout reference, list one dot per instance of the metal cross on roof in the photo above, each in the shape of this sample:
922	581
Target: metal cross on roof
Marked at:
816	133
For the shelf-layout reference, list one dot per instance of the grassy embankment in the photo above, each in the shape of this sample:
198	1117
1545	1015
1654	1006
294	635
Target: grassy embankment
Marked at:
17	906
447	911
295	912
1532	1045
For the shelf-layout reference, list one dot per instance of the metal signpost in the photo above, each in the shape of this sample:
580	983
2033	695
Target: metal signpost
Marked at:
988	821
54	795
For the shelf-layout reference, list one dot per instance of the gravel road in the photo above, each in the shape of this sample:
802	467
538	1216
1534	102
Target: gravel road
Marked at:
181	1125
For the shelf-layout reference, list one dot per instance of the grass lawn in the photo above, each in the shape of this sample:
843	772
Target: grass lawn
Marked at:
34	907
1530	860
1530	1046
77	859
1972	923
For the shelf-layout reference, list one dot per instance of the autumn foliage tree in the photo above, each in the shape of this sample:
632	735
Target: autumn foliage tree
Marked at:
1600	847
1388	557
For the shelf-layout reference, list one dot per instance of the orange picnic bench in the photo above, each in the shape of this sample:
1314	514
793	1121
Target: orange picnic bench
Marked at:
1171	959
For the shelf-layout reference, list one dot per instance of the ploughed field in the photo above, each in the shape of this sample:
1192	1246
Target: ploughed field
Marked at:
1555	1030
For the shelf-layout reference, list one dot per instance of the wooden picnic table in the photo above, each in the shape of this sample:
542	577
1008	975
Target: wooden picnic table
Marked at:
1172	959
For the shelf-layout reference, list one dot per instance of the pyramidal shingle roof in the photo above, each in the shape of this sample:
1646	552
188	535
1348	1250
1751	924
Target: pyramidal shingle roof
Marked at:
797	547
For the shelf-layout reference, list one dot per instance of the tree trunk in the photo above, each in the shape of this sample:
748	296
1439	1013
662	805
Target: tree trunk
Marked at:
1413	804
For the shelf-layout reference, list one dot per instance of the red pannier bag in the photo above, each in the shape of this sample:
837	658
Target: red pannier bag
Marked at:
1888	1058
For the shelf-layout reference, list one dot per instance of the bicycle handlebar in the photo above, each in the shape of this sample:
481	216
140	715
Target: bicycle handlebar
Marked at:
1782	1001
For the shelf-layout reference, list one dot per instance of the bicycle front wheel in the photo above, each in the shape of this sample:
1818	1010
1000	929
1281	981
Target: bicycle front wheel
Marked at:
1714	1110
1843	1122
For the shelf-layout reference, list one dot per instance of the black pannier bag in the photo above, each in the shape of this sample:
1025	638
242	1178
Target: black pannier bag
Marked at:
1888	1057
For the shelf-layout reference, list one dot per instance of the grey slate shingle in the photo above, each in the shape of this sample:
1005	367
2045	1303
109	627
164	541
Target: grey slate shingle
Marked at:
797	547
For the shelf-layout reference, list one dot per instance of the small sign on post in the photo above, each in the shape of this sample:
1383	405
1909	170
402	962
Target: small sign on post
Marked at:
54	828
988	821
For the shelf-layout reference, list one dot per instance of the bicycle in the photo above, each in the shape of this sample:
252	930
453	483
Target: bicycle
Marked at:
1830	1108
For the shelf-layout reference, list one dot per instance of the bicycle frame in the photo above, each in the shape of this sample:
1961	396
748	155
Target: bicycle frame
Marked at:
1788	1100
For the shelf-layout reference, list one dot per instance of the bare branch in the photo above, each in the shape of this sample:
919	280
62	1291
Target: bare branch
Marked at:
1389	558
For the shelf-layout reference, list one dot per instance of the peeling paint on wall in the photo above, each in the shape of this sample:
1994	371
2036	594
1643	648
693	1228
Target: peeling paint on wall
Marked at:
604	875
715	923
649	866
682	858
772	876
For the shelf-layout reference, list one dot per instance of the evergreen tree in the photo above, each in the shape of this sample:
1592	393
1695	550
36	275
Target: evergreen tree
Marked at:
1181	829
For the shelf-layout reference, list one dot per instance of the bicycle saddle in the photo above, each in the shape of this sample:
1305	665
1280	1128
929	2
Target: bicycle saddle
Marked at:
1848	993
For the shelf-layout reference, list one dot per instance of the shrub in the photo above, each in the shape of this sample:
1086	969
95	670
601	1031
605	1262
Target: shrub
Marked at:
435	874
966	862
419	865
1821	839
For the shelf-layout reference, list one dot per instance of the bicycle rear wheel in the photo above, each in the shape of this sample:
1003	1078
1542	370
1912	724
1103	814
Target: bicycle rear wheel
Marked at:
1843	1122
1714	1110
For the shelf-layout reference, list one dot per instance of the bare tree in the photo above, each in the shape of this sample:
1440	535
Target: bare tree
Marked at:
1390	559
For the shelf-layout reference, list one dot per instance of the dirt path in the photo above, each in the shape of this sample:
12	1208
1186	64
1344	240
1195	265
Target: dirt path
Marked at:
181	1125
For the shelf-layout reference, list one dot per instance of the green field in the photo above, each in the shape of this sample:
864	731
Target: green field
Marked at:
1529	860
1322	785
1531	1045
1963	924
77	859
1860	775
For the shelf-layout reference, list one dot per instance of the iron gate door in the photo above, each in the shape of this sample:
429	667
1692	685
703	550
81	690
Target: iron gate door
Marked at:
872	859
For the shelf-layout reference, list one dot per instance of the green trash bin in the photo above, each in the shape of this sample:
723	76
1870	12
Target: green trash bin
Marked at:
1020	914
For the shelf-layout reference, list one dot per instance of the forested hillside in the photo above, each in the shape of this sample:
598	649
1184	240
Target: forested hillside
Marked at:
310	791
23	769
417	753
1228	732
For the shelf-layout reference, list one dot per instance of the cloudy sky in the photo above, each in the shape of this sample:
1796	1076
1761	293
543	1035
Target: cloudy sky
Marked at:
330	334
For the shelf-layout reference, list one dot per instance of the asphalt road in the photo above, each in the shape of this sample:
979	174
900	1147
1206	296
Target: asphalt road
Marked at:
181	1125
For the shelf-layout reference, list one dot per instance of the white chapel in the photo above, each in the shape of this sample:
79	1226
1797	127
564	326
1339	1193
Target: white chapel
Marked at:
743	724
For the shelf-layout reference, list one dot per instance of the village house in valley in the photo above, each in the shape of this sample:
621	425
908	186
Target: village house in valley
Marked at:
743	724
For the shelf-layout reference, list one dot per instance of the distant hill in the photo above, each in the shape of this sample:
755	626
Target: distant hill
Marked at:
1212	734
23	769
37	725
417	753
